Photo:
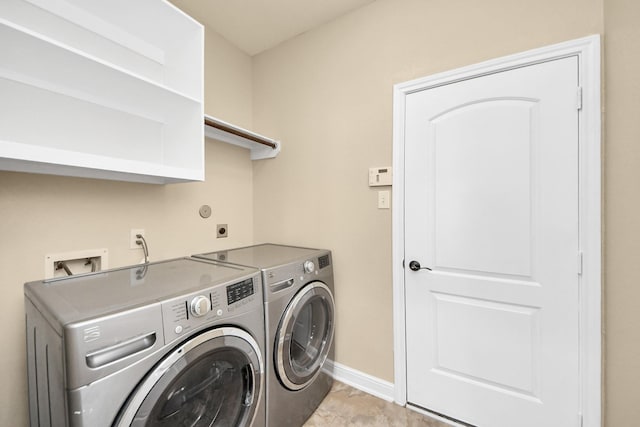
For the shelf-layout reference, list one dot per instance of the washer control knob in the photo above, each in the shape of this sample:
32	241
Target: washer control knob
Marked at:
200	306
309	267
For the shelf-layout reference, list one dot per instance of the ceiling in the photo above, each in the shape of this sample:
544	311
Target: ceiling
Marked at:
257	25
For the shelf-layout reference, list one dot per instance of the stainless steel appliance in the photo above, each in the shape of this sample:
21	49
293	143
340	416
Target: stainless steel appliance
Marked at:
173	343
299	322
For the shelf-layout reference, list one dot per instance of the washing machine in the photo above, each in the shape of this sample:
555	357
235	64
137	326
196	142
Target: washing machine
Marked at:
172	343
299	322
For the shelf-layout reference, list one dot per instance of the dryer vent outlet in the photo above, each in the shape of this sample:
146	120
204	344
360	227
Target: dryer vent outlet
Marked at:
223	230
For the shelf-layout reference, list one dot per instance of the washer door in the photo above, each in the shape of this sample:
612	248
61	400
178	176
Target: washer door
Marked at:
213	379
304	336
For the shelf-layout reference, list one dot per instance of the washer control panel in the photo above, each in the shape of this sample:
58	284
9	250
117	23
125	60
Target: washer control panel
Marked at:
182	315
309	266
240	291
200	306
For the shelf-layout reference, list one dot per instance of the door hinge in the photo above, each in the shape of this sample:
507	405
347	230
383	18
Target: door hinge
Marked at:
580	262
579	98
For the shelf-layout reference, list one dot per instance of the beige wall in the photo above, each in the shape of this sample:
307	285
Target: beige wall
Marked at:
228	87
328	95
42	214
622	211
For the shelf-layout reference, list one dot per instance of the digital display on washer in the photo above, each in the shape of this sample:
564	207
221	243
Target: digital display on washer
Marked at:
239	291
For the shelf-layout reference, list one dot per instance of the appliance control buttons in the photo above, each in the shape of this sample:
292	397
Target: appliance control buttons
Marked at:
309	267
178	329
200	306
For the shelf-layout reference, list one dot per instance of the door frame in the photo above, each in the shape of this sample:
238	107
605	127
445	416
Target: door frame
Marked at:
590	340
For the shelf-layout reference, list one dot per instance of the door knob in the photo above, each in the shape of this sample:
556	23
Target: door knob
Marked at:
415	266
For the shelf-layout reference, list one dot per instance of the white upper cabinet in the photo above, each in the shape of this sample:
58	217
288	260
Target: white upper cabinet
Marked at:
102	89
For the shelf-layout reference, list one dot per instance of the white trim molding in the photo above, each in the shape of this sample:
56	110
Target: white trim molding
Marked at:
587	50
358	379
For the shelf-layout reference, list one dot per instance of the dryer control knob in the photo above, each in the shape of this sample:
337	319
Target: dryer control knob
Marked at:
200	306
309	267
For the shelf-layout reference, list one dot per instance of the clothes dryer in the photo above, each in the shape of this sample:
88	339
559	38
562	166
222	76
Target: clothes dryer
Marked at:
299	322
173	343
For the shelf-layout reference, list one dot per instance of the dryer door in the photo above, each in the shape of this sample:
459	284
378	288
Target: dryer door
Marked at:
304	336
213	379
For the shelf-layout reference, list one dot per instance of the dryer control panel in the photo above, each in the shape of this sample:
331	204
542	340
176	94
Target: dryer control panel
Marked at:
280	278
187	313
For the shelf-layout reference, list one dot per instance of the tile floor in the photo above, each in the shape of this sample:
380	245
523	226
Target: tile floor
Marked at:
345	406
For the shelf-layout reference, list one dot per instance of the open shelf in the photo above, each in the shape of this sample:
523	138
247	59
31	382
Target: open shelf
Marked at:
260	147
124	105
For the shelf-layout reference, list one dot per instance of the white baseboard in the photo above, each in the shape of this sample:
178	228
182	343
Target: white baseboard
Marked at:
357	379
374	386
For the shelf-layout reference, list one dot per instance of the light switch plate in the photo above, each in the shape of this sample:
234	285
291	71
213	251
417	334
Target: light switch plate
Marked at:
384	201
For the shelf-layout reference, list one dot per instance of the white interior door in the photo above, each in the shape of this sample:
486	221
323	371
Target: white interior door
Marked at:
491	207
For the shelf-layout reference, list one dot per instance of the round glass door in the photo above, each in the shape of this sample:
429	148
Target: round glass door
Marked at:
214	379
304	336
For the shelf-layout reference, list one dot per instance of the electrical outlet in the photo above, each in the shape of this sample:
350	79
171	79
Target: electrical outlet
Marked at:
132	238
223	230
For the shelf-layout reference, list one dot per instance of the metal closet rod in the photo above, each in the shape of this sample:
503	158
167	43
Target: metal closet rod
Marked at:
239	133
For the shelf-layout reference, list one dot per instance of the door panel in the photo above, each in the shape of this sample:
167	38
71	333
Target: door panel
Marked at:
489	325
490	141
491	206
